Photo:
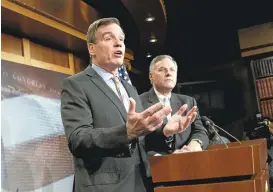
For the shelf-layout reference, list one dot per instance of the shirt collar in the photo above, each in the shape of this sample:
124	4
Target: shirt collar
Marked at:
103	73
160	96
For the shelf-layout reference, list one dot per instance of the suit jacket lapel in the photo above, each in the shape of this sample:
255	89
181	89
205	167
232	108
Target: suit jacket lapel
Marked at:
175	104
100	83
153	99
127	88
132	93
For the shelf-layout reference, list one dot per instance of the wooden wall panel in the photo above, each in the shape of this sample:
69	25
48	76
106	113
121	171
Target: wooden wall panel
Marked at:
23	51
80	64
48	55
11	44
256	40
76	13
256	35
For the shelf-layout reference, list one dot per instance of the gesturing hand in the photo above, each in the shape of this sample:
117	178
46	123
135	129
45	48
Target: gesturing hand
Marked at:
145	122
178	123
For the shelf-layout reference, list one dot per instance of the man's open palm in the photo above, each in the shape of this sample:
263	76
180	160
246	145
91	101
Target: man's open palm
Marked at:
178	123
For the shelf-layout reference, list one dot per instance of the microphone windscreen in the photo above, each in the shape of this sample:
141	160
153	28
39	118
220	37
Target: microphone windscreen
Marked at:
205	120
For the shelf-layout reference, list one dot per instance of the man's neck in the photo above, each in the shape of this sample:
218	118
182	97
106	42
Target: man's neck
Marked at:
165	92
108	69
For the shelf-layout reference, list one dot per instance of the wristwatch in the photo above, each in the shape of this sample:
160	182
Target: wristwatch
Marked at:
169	141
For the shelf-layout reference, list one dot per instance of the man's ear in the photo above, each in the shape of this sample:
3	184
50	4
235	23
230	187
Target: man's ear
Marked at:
91	49
151	76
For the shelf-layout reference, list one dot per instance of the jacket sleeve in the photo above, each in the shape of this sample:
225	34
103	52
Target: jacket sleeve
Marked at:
198	131
83	138
156	142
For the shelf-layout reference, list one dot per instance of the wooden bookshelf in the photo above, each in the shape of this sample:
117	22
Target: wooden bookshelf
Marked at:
262	70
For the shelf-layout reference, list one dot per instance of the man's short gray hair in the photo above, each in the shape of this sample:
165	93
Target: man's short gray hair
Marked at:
160	58
91	33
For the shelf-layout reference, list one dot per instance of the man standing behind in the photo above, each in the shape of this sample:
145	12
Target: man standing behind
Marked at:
104	120
163	76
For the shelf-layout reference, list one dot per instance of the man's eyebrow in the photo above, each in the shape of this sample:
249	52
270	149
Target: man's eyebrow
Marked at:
106	33
162	68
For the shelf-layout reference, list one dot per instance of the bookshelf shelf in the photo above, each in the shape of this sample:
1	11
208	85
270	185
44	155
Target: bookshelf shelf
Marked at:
267	98
265	76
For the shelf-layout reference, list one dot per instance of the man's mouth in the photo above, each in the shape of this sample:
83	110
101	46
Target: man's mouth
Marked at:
118	53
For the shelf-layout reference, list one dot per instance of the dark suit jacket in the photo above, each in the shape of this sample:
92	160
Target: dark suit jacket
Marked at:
156	140
94	121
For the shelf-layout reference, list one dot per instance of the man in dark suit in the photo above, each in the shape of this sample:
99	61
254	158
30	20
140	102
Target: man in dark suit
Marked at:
163	76
104	120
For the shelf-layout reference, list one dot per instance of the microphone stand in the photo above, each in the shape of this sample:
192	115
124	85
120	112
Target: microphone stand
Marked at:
211	126
227	133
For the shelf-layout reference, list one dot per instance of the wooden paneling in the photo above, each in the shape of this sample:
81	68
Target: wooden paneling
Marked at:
71	12
71	63
11	44
36	55
55	25
257	51
79	64
49	66
256	40
28	23
26	49
243	186
256	35
259	183
218	171
48	55
12	57
41	19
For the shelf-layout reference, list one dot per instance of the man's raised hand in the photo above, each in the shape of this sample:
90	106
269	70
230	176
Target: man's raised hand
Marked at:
178	123
145	122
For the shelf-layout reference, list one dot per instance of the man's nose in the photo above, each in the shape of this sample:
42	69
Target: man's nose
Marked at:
168	73
118	43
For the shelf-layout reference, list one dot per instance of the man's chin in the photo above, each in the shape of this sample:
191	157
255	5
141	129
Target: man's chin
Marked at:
118	63
169	86
115	64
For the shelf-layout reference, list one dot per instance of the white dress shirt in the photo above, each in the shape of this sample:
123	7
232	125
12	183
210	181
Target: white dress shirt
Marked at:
165	100
106	76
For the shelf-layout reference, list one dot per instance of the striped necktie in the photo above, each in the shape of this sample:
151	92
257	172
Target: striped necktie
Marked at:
117	85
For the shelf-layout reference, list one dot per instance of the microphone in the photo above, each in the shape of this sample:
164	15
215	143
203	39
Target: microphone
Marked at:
207	123
210	123
268	123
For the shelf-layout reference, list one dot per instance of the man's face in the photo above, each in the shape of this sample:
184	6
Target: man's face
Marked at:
109	49
164	75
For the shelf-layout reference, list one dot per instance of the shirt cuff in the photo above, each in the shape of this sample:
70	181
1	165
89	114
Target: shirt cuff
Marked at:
199	141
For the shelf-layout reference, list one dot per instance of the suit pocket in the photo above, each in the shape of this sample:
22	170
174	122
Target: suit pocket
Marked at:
102	171
104	179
